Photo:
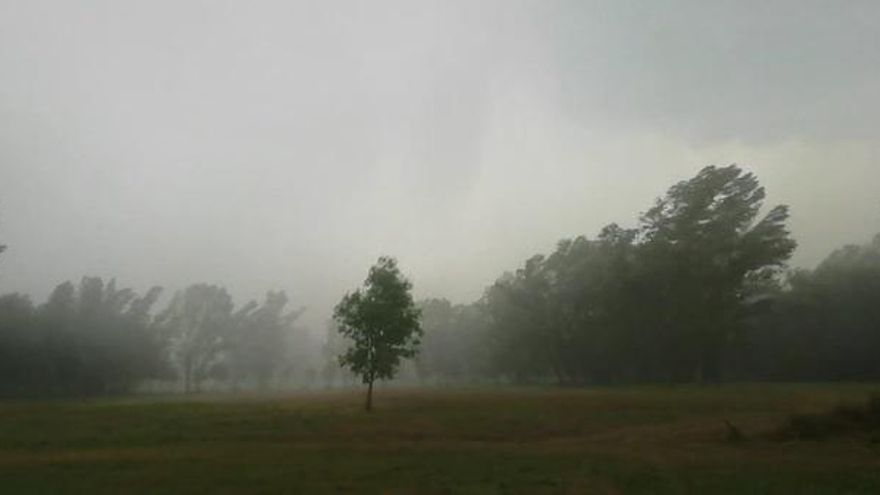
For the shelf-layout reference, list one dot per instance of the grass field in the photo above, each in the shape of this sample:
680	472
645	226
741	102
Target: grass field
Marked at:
626	440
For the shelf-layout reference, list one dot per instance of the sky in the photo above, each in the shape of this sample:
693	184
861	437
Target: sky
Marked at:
286	145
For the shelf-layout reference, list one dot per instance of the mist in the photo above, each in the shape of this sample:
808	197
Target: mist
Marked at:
439	246
282	145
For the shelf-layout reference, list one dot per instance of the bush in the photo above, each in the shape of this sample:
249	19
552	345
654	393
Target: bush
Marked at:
840	421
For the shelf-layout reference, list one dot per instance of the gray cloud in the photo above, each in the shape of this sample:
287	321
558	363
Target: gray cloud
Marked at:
286	145
755	71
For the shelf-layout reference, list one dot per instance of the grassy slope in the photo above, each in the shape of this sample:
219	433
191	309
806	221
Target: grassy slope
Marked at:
628	440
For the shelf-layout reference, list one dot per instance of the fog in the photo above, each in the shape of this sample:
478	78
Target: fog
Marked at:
287	145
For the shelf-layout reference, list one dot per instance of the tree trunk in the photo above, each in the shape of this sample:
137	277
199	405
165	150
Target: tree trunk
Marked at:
371	376
369	405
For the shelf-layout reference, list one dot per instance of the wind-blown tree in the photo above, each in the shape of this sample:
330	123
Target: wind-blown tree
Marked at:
522	335
85	340
195	326
382	323
701	242
592	311
453	347
235	358
566	314
825	324
847	287
23	363
436	322
257	347
662	302
100	335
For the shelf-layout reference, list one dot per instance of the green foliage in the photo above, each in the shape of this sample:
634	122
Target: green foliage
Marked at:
382	323
701	242
663	302
694	293
825	324
565	314
85	340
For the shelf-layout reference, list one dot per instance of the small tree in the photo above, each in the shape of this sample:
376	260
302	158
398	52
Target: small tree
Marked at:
381	322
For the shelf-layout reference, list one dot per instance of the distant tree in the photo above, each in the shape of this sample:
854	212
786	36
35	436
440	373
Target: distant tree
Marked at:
258	344
89	339
661	302
522	332
236	357
847	287
591	308
101	343
335	344
22	357
195	326
567	314
454	343
701	241
825	323
437	354
382	323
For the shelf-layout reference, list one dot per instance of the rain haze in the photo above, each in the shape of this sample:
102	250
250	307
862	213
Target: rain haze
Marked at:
286	145
440	246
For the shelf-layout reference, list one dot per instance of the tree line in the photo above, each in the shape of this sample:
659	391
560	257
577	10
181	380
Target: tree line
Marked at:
697	291
95	338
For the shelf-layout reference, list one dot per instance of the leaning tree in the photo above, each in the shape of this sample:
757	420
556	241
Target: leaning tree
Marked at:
703	241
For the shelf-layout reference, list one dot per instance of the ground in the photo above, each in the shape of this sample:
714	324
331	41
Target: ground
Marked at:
605	441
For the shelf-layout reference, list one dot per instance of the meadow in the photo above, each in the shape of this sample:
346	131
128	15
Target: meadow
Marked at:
655	439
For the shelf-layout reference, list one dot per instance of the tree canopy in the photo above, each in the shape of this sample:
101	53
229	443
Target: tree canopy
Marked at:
382	323
697	290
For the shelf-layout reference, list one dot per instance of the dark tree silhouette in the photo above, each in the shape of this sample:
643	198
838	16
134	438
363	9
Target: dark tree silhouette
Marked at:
703	240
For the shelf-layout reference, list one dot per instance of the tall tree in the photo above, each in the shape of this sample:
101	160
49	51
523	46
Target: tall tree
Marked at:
195	326
825	324
258	344
22	357
94	338
701	242
382	323
523	332
454	342
437	342
565	314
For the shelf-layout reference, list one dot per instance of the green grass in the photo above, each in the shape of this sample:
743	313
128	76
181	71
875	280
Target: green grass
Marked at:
626	440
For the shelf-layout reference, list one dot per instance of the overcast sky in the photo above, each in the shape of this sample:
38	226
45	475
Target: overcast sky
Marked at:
286	145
